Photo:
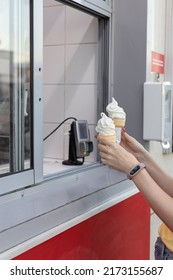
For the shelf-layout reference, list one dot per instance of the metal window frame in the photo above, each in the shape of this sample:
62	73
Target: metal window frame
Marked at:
16	181
37	77
103	4
103	8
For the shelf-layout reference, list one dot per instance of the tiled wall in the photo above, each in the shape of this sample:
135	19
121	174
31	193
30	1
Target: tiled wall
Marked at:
70	74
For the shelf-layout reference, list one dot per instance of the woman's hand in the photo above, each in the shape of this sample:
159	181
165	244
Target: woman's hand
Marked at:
115	156
133	146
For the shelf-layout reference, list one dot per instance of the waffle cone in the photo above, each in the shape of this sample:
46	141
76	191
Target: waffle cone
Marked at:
119	122
111	138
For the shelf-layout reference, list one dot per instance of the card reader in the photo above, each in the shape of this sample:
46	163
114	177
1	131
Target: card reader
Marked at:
80	145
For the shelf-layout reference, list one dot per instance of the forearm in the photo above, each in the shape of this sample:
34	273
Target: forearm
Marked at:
157	173
160	201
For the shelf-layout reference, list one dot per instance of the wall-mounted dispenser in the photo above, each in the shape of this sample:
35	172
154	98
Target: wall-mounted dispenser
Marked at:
157	112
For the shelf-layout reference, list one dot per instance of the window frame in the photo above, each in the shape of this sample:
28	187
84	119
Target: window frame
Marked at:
11	182
95	8
101	7
104	4
30	177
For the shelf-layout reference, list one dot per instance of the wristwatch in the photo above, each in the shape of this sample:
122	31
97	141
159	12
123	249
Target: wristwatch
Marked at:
135	170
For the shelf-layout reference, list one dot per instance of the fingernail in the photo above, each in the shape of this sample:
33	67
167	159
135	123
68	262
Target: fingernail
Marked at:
123	129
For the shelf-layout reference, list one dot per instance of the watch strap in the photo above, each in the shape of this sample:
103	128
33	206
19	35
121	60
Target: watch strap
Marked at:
135	170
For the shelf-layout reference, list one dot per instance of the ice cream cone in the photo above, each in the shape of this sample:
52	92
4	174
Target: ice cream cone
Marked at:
119	122
111	138
105	128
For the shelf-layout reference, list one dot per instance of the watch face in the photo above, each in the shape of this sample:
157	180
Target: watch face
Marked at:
134	170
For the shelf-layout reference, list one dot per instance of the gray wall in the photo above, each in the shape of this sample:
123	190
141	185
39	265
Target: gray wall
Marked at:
130	35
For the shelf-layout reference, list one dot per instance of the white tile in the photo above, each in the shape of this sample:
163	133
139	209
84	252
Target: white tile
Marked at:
54	25
51	3
53	65
81	102
80	27
53	103
81	64
54	145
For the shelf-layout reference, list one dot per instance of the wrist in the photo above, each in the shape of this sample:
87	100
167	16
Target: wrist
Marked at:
132	161
143	155
135	170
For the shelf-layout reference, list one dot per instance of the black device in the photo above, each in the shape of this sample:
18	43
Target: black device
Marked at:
80	145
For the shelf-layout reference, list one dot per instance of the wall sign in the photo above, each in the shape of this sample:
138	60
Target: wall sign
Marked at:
157	62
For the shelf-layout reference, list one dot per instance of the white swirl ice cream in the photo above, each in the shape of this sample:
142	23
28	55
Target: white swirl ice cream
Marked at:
106	128
116	113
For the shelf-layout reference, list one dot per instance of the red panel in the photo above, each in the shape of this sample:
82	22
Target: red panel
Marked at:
120	232
157	62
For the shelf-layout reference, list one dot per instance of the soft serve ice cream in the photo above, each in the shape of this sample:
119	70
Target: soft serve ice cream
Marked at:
117	114
106	128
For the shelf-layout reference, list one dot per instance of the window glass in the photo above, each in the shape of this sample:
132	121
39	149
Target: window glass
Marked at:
70	86
75	82
15	86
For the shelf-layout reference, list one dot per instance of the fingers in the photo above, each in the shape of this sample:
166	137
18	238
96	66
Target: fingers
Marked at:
105	152
126	139
106	142
105	162
106	156
124	134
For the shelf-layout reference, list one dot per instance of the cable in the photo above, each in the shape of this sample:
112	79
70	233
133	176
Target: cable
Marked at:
70	118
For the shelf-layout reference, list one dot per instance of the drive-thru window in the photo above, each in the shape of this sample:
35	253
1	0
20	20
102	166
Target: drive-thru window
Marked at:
57	76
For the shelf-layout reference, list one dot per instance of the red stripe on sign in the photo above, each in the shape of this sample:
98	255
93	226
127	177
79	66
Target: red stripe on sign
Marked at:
157	62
